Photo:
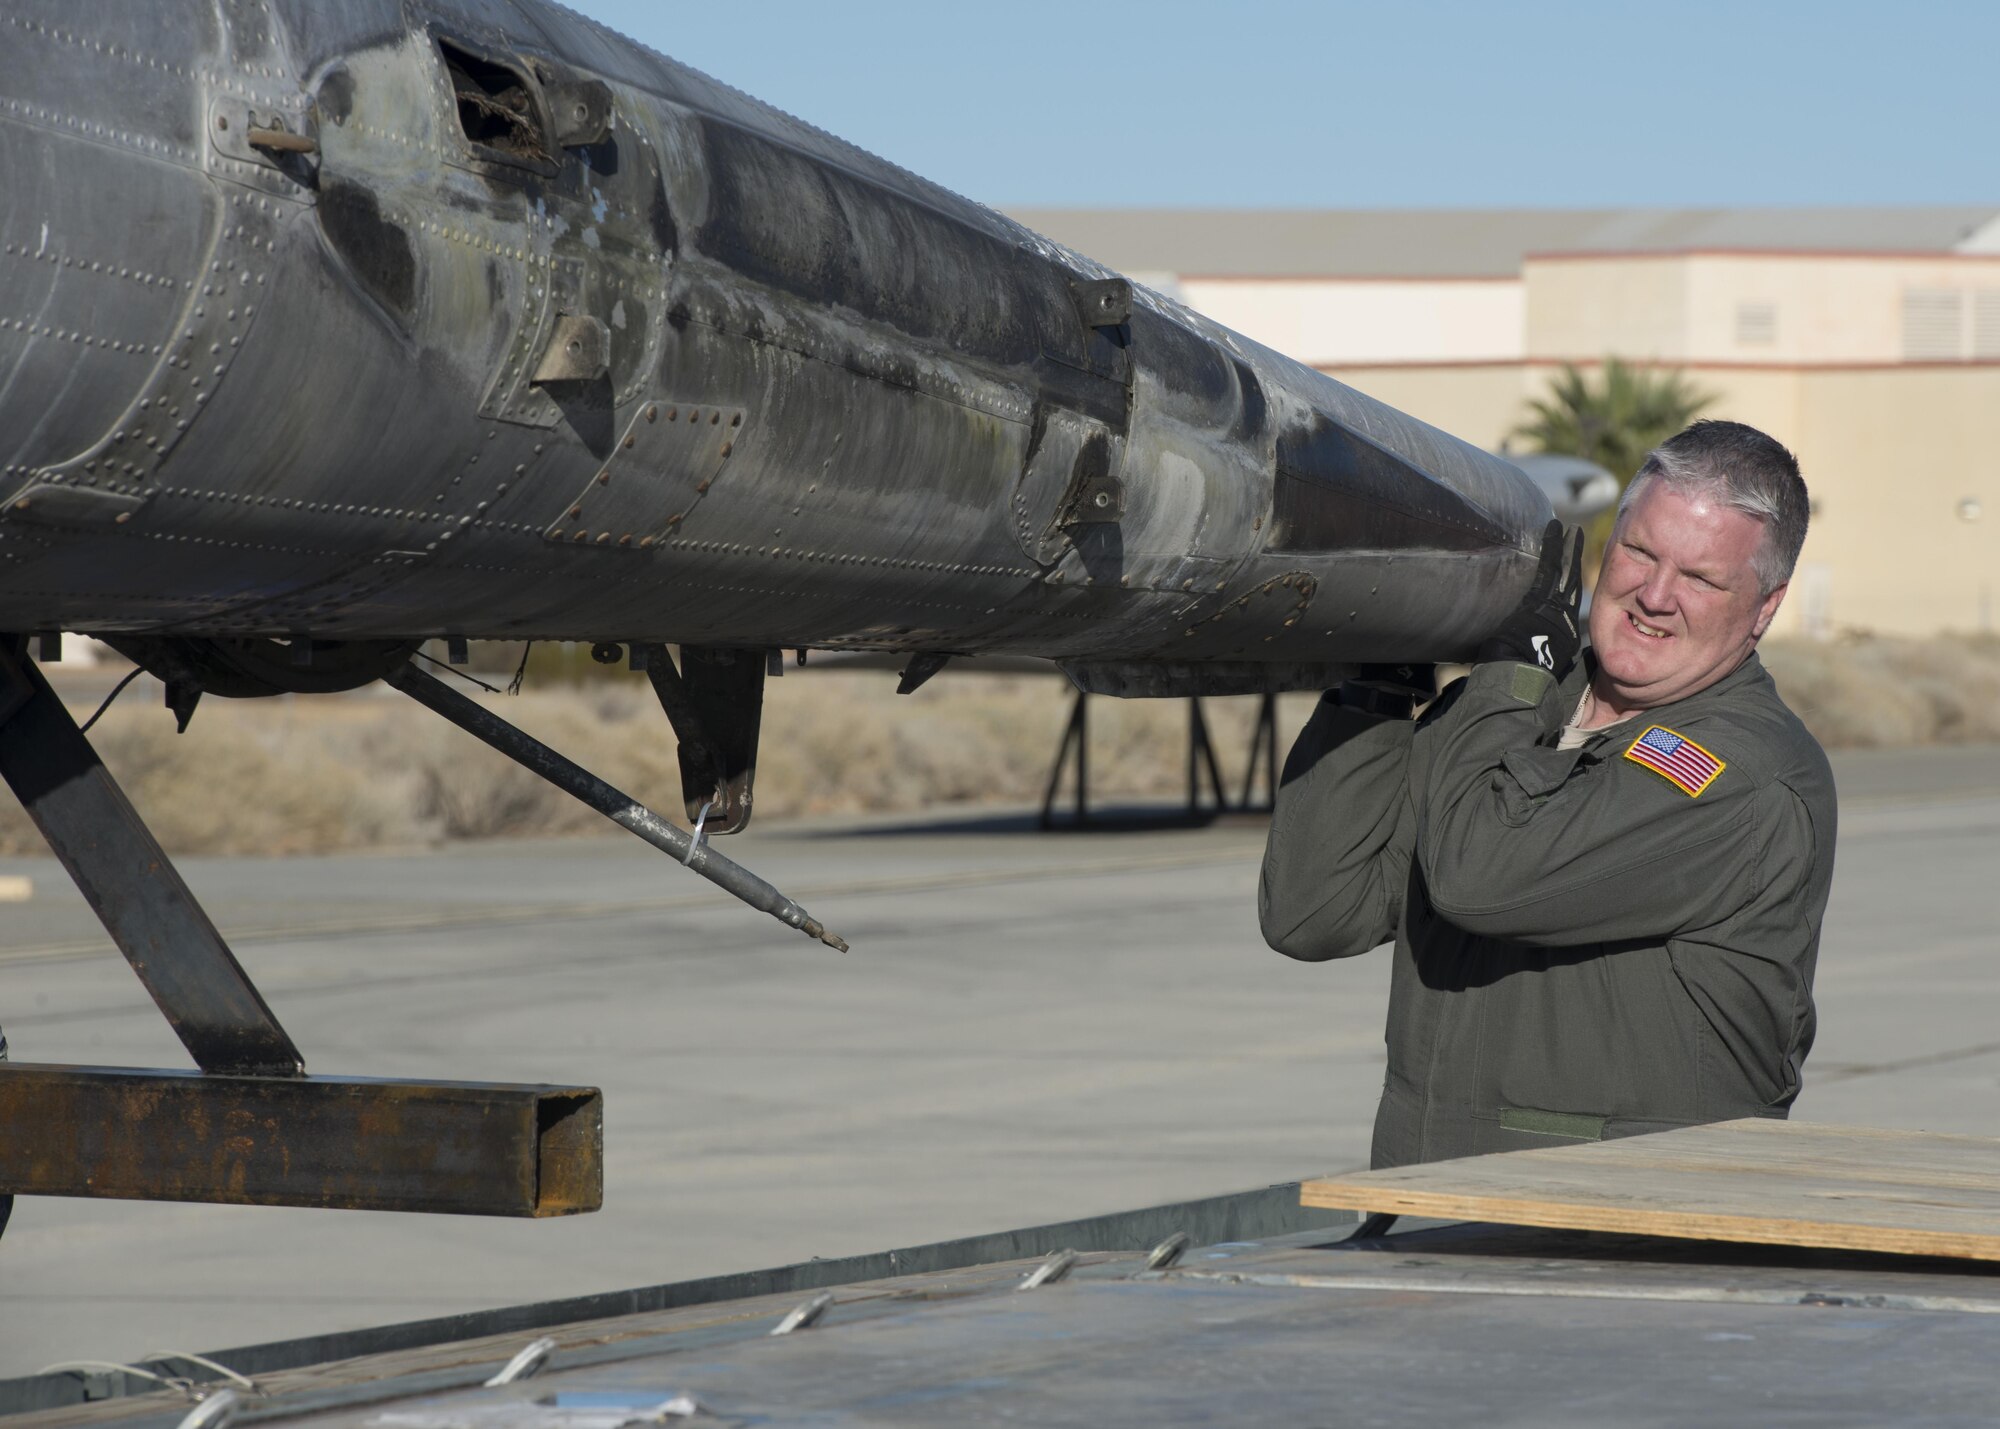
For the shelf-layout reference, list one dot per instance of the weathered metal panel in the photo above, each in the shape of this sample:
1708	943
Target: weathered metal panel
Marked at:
316	414
460	1148
1454	1325
1240	1217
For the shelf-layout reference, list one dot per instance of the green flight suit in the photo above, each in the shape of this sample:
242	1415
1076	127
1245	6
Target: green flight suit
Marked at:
1584	949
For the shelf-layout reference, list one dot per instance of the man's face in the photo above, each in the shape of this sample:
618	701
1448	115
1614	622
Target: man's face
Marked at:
1677	605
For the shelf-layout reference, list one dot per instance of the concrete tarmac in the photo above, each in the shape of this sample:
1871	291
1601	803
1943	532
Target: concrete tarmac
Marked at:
1030	1027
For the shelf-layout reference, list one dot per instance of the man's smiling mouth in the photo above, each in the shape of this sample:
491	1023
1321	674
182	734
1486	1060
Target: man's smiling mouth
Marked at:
1650	632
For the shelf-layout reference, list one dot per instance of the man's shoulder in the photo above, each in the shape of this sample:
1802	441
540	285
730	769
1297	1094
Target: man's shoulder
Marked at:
1745	723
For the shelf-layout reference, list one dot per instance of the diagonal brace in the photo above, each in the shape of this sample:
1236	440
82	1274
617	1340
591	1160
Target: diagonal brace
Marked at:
621	808
129	882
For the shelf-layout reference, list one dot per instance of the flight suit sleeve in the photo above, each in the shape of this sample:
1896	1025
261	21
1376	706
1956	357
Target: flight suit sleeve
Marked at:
1337	866
1523	842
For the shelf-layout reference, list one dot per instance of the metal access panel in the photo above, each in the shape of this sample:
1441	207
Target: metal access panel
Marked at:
337	1143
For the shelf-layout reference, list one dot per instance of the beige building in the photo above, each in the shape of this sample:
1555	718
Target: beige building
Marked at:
1868	340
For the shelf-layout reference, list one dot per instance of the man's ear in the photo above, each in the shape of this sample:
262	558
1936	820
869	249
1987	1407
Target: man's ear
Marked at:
1768	611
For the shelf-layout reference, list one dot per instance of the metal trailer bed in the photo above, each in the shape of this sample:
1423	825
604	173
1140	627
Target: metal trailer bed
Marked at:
1270	1314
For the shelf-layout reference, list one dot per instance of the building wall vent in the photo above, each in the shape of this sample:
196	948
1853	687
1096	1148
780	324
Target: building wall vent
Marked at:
1986	324
1933	325
1756	324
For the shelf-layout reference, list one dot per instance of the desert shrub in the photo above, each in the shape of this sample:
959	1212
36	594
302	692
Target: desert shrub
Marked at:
276	776
1877	691
372	769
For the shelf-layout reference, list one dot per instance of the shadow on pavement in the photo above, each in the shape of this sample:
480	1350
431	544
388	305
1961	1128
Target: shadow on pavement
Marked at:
1116	818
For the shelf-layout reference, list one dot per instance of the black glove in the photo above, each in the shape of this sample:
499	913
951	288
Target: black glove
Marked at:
1390	690
1543	631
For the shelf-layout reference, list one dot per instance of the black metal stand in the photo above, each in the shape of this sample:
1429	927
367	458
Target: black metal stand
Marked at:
1201	760
1264	751
1204	772
250	1128
1076	738
130	884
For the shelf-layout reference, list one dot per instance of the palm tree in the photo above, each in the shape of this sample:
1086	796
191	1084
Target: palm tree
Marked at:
1613	422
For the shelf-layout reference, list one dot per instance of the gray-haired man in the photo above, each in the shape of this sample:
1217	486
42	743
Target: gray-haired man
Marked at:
1604	877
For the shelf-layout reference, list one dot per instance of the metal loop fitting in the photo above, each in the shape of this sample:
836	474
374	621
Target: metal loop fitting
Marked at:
214	1412
695	842
1058	1265
530	1362
805	1316
241	1381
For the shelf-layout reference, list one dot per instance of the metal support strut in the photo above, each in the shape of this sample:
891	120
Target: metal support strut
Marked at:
1206	795
130	884
1076	735
250	1128
1201	759
1264	751
622	809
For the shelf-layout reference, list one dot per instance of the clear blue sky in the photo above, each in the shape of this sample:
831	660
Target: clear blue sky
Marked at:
1285	103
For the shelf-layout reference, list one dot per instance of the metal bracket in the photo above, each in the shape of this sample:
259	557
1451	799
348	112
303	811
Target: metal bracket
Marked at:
716	705
1095	496
255	99
555	286
918	672
701	761
579	350
1102	302
579	110
260	142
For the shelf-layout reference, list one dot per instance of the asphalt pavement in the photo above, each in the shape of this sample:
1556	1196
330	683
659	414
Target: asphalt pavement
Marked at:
1030	1027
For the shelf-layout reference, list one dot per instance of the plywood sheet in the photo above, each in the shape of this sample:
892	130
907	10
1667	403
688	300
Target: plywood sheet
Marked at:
1759	1181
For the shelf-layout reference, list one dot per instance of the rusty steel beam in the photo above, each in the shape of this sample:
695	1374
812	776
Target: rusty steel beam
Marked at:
338	1143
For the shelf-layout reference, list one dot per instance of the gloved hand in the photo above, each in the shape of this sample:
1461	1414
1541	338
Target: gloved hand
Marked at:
1390	690
1543	631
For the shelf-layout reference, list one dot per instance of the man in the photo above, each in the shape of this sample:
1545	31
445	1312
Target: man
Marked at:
1604	877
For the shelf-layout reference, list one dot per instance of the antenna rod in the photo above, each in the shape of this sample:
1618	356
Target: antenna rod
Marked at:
621	808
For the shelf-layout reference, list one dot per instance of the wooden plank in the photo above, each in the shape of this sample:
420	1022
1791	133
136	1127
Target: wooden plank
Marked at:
1757	1181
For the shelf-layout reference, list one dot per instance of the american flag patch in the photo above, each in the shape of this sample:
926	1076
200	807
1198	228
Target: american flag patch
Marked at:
1676	758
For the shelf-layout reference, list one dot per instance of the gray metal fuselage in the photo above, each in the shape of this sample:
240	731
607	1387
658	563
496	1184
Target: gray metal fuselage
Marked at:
283	386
